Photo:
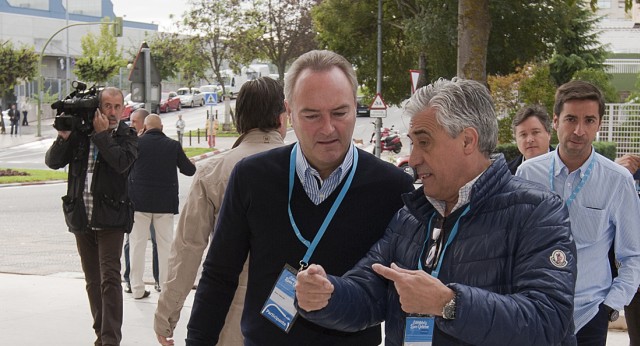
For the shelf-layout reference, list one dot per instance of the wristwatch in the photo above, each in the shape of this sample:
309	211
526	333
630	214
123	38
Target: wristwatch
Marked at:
449	309
613	314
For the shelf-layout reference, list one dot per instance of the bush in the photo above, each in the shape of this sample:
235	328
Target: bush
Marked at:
606	149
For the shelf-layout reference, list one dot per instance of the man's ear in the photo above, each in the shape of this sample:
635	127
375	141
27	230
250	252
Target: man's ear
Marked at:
470	140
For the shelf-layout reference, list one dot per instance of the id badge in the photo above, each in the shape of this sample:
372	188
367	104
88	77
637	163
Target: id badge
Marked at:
418	330
279	307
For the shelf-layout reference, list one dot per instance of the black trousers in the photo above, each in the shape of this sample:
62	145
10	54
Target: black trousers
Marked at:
632	315
100	253
594	333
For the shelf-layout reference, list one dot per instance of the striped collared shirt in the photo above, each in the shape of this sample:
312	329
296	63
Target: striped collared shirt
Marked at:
604	211
317	189
86	194
464	196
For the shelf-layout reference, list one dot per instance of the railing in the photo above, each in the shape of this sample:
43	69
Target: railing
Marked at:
623	66
621	125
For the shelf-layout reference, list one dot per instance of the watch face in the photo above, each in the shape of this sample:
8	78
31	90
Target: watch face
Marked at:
614	316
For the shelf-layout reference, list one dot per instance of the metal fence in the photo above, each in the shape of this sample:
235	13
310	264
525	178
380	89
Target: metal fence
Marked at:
621	125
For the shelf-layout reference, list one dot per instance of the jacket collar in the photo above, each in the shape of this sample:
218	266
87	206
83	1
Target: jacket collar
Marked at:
486	186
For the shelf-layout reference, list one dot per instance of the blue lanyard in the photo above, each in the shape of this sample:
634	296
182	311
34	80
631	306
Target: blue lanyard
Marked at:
453	234
583	181
311	247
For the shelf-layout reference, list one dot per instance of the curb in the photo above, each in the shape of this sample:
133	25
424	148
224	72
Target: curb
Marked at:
195	159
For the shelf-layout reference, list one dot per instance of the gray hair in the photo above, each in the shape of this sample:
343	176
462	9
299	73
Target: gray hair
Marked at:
318	60
459	103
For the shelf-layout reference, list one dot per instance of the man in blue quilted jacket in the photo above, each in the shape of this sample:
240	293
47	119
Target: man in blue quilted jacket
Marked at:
476	256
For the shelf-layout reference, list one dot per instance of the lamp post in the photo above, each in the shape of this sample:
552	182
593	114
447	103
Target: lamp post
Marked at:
117	22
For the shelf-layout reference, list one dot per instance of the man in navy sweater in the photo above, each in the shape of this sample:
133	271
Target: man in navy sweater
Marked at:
316	200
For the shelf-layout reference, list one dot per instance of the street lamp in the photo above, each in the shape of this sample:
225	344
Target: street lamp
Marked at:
117	32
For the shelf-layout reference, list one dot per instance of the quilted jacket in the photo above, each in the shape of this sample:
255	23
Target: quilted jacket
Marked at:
509	289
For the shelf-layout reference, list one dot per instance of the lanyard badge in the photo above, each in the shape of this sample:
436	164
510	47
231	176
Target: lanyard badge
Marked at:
279	307
419	331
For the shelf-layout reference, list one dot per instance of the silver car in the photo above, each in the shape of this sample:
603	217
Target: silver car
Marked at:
190	97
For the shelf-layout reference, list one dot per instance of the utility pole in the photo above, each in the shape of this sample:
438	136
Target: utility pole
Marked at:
378	147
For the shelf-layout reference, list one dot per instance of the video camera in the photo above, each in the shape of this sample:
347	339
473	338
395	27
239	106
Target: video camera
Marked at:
76	111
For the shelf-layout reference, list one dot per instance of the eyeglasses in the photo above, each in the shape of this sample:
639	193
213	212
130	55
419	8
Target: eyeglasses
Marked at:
436	246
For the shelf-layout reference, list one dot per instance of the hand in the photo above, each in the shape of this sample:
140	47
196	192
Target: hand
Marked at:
100	122
64	134
420	293
165	341
313	289
630	162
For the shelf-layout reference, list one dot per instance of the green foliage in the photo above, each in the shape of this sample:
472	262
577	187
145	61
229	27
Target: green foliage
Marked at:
166	51
33	175
277	31
510	150
15	64
635	94
600	79
101	58
579	47
349	28
505	133
539	88
213	28
606	149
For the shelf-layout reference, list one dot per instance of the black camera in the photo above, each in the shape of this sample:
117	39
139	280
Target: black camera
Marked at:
76	111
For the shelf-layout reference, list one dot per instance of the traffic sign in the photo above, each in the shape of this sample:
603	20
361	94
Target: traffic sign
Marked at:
378	113
415	76
378	103
210	99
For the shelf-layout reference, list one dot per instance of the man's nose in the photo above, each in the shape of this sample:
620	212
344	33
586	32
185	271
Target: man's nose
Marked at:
327	124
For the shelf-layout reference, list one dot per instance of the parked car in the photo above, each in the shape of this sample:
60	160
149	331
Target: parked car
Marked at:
130	107
210	88
169	101
403	163
362	110
190	97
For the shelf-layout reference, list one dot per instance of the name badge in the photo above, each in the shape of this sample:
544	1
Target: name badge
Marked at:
279	307
418	331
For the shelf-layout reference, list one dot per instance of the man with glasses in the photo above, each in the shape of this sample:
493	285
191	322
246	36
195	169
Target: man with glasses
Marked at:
476	256
97	207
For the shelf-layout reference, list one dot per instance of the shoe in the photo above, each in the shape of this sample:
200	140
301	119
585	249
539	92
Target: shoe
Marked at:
127	287
157	287
145	294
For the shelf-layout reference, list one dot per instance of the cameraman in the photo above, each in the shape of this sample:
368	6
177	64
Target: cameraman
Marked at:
97	208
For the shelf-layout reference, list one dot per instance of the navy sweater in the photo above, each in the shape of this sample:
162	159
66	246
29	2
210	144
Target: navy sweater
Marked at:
254	219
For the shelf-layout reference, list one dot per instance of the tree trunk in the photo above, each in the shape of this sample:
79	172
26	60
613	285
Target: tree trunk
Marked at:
474	27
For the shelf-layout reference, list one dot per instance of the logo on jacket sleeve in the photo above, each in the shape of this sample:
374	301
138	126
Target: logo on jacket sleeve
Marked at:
558	259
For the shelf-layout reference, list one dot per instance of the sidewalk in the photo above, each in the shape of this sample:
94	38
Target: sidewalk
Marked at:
54	310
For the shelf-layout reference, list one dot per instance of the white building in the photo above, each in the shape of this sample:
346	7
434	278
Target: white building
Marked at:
32	23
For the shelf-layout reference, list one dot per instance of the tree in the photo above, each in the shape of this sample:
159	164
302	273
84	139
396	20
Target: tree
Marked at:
474	28
601	79
212	27
167	53
350	29
101	58
579	47
16	64
279	31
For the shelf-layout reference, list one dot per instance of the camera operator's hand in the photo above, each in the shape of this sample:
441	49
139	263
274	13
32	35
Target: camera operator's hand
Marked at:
100	122
64	134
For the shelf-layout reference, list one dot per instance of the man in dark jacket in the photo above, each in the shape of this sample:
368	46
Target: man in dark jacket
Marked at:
154	192
97	207
476	256
14	118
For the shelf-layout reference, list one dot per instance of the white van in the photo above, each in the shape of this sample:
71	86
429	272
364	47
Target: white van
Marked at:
233	82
